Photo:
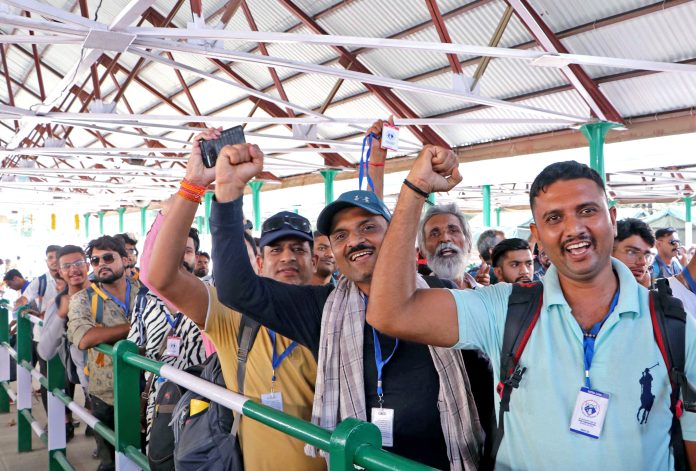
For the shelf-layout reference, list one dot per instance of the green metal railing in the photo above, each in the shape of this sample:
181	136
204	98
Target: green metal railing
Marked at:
353	442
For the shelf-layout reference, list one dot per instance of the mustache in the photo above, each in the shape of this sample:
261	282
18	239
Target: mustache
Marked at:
447	246
358	248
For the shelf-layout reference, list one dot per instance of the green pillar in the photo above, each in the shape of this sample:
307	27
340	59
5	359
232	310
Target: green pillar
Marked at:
120	212
688	201
431	198
329	176
199	224
56	379
126	398
143	221
256	198
497	216
208	202
4	337
101	222
595	134
86	216
688	226
486	205
23	354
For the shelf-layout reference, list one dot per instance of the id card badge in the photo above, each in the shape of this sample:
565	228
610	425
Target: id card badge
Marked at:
390	137
273	399
589	413
173	346
384	420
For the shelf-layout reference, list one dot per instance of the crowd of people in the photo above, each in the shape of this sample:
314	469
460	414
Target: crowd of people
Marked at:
549	354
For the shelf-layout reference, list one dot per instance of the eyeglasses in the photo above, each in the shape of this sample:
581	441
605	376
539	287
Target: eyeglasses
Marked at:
635	255
132	251
296	222
78	264
107	257
674	242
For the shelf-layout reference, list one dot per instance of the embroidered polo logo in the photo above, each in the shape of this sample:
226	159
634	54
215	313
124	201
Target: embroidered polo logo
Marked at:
647	398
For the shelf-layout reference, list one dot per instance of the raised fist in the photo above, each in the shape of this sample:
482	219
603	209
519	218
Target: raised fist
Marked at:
236	165
435	169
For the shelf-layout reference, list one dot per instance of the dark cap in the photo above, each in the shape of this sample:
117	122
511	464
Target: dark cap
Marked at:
285	224
664	231
352	199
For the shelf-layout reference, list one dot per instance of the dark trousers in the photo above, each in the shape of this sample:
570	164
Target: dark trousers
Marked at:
105	413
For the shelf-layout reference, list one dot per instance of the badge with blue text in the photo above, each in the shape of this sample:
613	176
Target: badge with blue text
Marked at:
589	413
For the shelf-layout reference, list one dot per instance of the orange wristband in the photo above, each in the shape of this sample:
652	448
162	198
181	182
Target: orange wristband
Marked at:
188	196
195	189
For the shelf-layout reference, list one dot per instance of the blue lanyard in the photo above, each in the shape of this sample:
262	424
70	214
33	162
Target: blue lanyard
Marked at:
589	338
276	360
125	307
381	363
689	279
365	162
668	268
173	322
26	284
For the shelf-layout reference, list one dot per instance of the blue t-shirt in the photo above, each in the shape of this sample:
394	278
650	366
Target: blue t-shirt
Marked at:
663	270
537	434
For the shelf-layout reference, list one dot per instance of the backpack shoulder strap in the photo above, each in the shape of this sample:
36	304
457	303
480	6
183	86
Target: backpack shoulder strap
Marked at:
524	309
43	282
97	297
248	329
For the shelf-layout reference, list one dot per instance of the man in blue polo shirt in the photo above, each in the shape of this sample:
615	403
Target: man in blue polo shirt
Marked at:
621	384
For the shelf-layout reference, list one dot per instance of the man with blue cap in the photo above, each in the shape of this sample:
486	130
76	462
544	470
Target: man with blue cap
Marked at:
361	373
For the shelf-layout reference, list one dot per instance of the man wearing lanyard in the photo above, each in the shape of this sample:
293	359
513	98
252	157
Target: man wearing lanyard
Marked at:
590	360
109	259
684	286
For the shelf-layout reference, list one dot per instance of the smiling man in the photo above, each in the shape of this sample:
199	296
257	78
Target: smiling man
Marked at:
554	399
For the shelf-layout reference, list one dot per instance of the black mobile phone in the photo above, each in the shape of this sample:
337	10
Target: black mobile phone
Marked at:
211	148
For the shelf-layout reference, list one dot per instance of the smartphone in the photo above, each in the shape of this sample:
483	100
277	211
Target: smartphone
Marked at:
211	148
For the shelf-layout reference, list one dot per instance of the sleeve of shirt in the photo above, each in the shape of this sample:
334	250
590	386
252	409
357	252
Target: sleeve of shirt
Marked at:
32	291
481	315
79	317
688	419
51	335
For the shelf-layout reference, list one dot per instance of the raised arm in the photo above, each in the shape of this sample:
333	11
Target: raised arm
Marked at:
378	156
396	307
170	279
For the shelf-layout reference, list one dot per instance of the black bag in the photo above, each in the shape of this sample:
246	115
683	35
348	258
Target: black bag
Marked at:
66	358
160	452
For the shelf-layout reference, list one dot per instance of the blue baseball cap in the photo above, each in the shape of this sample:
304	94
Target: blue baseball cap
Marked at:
366	200
285	224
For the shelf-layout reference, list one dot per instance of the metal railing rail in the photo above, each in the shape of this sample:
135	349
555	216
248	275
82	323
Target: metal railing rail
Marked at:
353	442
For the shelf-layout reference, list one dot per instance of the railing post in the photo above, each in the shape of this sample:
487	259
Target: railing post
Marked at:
4	357
56	413
348	436
126	404
23	382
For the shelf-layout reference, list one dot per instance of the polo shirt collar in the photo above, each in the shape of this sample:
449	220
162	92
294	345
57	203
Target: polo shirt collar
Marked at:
629	299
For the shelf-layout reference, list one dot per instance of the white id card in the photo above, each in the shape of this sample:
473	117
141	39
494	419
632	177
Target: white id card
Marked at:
173	346
384	420
274	400
589	413
390	137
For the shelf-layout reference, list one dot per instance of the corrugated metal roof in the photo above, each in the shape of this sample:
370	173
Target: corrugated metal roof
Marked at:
658	93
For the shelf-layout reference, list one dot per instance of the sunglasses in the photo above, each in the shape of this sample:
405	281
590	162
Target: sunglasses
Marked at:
107	258
296	222
674	242
78	264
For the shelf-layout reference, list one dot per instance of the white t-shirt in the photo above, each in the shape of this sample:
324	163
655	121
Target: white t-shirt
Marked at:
32	294
686	296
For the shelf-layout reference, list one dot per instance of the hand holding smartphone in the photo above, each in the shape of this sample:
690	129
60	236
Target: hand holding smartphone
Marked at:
210	149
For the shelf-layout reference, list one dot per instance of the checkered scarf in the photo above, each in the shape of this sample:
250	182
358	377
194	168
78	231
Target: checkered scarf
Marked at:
340	390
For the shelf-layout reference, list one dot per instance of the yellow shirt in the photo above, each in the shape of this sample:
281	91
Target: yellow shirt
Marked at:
264	448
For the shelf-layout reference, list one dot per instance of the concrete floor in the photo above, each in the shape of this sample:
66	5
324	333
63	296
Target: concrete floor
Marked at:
79	448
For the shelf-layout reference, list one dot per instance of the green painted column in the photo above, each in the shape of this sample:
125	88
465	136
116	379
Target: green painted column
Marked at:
497	216
101	222
120	212
431	198
143	221
4	337
688	226
23	354
329	176
595	134
56	379
126	398
256	199
208	202
486	190
86	216
199	224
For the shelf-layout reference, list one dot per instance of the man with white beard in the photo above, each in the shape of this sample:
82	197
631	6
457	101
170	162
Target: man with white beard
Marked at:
444	238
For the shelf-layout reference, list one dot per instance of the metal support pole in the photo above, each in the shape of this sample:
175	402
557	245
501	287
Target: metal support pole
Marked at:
101	222
486	189
56	414
120	212
497	216
688	226
23	383
4	358
126	404
143	221
86	216
208	201
595	134
256	198
329	176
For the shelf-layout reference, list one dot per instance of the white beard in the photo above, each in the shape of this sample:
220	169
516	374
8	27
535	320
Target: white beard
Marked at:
450	267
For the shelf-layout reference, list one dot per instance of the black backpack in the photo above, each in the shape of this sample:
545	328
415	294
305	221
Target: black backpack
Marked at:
669	327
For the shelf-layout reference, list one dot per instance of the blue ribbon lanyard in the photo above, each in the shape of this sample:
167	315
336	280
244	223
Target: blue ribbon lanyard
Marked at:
588	341
276	360
125	307
689	279
365	162
173	322
381	364
24	288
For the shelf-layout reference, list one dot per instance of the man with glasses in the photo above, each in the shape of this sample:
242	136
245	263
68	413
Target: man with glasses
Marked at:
90	326
669	252
132	251
633	246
